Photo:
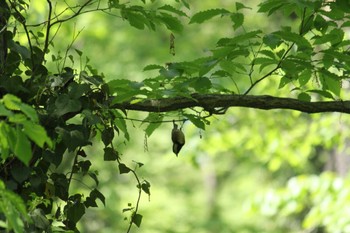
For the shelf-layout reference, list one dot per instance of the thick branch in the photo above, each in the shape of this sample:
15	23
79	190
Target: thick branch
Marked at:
210	102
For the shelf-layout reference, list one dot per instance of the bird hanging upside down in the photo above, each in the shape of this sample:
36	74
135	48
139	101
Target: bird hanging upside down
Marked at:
178	138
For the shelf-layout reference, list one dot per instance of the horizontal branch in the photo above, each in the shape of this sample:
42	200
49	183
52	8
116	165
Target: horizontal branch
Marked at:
212	102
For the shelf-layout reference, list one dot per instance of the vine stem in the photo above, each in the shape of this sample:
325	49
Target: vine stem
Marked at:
138	200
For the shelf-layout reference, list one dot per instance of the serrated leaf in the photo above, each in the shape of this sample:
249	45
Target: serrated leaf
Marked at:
136	20
271	6
172	9
302	43
263	62
152	67
202	16
238	39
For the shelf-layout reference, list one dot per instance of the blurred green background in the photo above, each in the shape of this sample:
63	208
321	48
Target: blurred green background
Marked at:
250	171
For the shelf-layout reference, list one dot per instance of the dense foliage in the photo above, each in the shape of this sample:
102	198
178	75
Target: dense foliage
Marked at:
55	105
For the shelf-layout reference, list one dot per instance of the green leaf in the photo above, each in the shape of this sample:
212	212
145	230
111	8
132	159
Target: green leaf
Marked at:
39	219
272	40
268	53
264	62
5	112
330	82
271	6
29	112
237	19
110	154
152	67
201	84
284	81
137	219
121	124
22	148
240	6
145	186
135	19
20	173
13	209
107	136
75	90
202	16
172	23
12	102
322	93
5	139
36	133
197	121
304	77
123	168
238	39
302	43
64	105
154	120
95	194
93	175
304	97
172	10
75	212
79	52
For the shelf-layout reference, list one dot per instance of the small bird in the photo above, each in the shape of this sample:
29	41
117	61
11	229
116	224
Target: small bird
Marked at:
178	138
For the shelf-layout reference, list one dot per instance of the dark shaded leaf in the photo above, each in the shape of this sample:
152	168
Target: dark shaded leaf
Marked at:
123	168
107	136
110	154
137	219
75	212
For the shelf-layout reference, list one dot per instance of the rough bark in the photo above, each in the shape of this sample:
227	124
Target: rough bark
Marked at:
215	102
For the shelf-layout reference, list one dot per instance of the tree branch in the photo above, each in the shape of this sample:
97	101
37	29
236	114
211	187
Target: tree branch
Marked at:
210	102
